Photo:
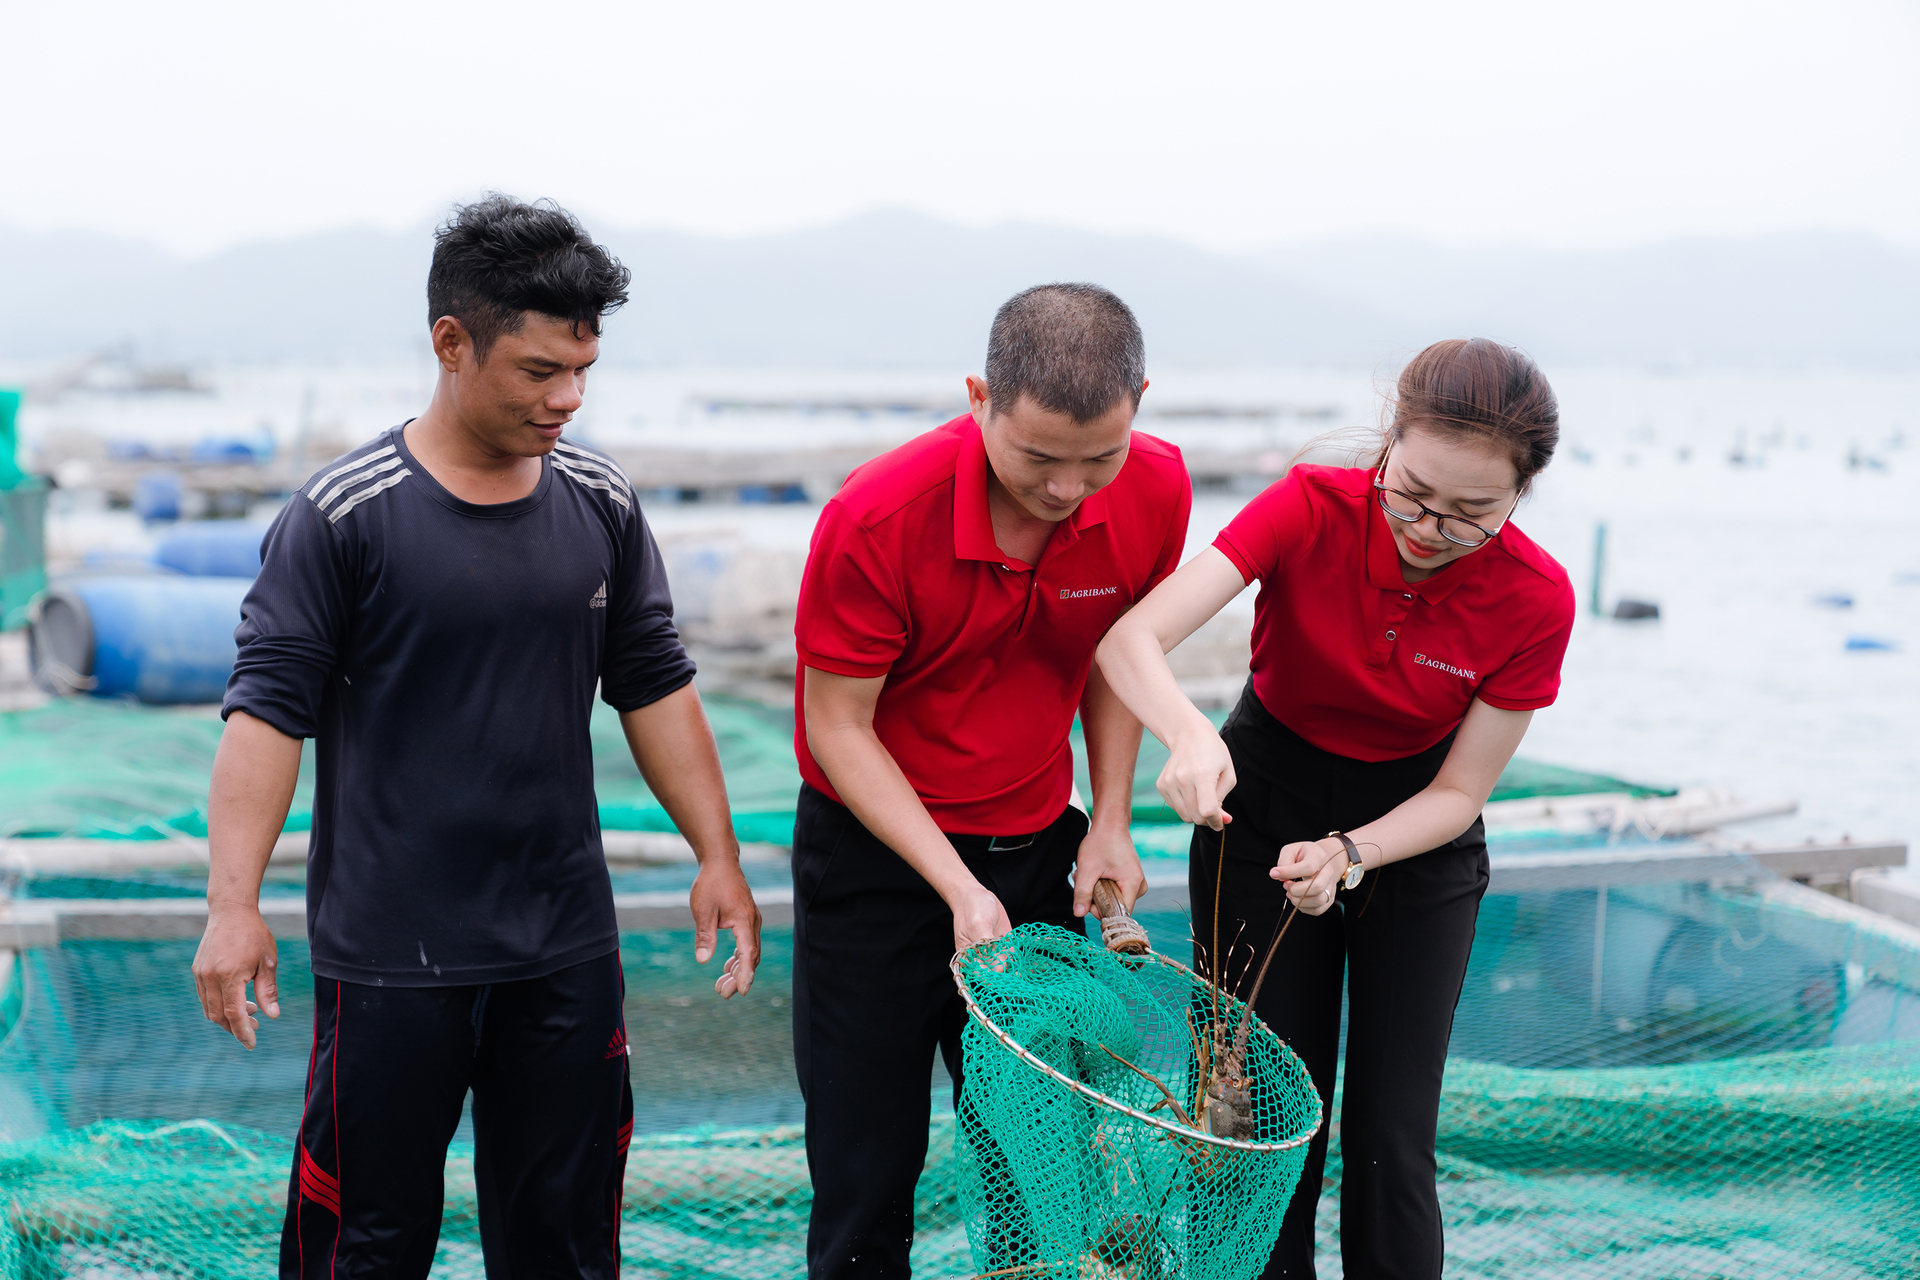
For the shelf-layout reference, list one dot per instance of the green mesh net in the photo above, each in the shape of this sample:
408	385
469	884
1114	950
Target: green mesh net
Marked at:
111	770
1652	1081
99	1030
99	769
1087	1145
194	1198
1730	1089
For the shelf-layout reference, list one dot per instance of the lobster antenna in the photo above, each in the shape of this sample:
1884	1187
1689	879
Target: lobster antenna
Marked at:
1219	875
1234	947
1246	1022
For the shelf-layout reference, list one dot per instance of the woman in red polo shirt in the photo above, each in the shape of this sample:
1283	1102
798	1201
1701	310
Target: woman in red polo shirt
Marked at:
1404	634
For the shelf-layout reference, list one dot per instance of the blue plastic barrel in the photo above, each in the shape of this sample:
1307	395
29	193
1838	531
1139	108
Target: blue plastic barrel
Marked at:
228	450
157	495
214	549
157	638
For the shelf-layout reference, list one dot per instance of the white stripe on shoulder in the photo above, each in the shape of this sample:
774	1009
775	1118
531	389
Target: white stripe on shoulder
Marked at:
341	470
592	480
365	474
606	467
370	491
592	462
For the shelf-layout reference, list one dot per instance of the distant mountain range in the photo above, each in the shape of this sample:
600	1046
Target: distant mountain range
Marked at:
900	289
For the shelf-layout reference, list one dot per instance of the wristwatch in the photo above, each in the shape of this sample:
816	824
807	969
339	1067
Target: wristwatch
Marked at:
1354	869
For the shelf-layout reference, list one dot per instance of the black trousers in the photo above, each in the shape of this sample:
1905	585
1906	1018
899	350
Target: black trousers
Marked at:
1400	940
872	1000
546	1060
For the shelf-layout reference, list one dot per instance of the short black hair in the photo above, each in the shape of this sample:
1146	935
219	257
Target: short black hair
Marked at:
499	258
1072	348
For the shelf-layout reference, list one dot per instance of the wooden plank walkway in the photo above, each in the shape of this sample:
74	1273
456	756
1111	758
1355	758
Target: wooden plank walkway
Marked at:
46	922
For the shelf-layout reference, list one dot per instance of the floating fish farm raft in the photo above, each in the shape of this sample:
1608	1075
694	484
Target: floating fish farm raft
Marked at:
1673	1057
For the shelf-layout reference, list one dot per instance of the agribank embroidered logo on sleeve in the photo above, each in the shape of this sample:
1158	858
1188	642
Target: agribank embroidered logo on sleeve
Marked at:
1422	660
599	600
1069	593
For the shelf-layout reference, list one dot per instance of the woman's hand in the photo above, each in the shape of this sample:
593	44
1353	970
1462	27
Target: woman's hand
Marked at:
1133	658
1446	807
1312	870
1198	776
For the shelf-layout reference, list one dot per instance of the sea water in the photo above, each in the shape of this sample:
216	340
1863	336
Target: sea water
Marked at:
1743	504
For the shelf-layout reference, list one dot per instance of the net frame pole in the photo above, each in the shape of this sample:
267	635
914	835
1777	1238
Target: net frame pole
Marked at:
1094	1095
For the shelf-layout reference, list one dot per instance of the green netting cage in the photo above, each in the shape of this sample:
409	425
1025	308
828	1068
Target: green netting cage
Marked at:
1649	1080
1091	1143
1737	1095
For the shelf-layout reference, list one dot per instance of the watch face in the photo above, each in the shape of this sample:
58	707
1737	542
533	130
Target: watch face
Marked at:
1352	879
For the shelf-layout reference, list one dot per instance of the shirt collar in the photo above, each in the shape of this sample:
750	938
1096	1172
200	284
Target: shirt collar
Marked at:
973	525
1383	561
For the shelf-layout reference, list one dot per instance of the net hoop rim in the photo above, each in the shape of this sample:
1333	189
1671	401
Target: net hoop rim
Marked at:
1094	1095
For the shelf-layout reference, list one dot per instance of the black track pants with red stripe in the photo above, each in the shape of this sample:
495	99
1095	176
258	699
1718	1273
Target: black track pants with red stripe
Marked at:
546	1060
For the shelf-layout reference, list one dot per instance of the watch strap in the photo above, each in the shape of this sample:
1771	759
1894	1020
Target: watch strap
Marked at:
1354	869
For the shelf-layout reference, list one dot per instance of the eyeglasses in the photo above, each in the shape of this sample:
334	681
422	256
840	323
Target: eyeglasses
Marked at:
1404	506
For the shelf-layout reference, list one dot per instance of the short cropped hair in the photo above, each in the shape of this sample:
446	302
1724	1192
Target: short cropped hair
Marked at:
499	258
1071	348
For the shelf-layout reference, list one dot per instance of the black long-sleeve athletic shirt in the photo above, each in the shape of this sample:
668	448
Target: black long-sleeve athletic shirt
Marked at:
444	656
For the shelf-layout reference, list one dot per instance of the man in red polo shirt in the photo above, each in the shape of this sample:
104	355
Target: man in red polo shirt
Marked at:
954	595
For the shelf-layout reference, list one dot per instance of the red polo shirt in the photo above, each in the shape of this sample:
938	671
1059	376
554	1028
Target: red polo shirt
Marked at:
1359	661
986	658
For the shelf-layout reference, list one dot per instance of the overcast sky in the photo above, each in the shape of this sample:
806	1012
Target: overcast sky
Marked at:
1232	125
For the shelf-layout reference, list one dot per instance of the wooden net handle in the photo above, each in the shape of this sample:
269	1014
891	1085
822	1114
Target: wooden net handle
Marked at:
1118	930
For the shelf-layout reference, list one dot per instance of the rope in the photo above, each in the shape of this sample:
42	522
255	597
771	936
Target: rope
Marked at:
1123	933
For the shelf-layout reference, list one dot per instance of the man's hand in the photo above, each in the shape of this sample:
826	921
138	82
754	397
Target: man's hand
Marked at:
1107	855
673	745
722	900
254	771
840	734
977	916
236	949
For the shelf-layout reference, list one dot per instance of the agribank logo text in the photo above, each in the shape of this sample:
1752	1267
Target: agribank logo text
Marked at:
1068	593
1422	660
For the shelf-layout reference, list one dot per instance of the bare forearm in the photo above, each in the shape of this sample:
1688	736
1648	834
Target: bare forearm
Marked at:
1423	821
870	783
254	772
672	744
1134	654
1113	745
1485	742
1131	659
673	747
1112	736
840	734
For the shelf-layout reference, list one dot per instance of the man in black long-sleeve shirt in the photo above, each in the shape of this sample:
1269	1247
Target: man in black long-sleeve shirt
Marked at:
436	609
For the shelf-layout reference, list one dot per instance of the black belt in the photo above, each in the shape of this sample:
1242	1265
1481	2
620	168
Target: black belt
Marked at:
992	844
